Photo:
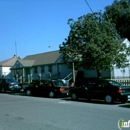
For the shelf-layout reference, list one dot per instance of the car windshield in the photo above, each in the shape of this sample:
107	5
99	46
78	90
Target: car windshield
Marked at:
58	83
11	81
114	83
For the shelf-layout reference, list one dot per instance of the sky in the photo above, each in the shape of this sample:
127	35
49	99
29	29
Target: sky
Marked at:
29	27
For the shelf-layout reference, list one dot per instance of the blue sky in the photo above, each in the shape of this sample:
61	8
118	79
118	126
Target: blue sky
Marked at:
29	27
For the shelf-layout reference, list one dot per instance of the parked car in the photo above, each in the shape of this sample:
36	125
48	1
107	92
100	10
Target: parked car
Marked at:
107	90
9	84
51	88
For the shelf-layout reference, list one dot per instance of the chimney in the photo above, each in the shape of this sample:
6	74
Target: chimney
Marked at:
14	55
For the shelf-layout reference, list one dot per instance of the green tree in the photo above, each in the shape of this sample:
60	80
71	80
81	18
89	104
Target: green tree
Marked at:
95	41
119	14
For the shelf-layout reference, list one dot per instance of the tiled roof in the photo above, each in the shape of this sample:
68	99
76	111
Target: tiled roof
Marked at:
42	58
9	62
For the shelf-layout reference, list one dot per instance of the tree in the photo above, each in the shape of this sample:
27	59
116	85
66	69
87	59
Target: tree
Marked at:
119	14
94	40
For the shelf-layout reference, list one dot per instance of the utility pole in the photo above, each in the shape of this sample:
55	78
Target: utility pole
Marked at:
15	48
73	72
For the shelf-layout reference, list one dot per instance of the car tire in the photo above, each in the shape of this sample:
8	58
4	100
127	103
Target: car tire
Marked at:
3	90
28	92
109	99
74	96
123	99
89	99
51	94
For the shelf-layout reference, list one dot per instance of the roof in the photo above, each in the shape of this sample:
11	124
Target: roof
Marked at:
9	62
42	58
121	40
26	63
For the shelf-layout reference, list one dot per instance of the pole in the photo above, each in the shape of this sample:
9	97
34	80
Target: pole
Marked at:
16	48
73	72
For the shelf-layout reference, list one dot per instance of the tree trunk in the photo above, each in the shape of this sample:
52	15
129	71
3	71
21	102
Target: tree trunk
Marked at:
99	73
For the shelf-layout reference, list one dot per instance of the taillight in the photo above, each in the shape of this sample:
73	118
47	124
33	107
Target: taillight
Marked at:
62	89
119	90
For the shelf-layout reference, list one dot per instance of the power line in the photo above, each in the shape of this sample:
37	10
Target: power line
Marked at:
89	6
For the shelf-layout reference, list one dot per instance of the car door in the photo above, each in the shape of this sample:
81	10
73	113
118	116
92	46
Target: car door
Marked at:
88	88
45	87
100	89
91	88
82	91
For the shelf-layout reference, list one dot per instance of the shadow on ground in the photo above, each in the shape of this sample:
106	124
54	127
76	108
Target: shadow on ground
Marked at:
92	101
127	105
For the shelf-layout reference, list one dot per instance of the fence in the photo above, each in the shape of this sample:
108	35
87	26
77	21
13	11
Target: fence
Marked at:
125	82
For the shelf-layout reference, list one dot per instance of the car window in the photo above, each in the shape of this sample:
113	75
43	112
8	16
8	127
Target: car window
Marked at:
102	84
58	83
47	84
11	80
114	83
90	83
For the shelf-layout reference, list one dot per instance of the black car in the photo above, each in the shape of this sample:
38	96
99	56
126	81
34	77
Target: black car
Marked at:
50	88
9	84
107	90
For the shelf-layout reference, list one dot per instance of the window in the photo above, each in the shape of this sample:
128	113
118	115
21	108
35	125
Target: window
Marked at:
35	70
42	69
59	83
17	65
50	68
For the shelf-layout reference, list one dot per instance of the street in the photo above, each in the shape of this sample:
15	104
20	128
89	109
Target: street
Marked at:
19	112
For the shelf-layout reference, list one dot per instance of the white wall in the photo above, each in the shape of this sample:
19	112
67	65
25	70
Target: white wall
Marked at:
5	70
121	73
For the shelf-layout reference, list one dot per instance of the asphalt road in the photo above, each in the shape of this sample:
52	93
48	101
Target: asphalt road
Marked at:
19	112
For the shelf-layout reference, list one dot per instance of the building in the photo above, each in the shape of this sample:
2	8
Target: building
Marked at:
6	65
51	65
40	66
118	73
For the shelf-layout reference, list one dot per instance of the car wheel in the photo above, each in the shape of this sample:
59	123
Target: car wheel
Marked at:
89	99
74	96
108	99
51	94
28	92
3	90
124	100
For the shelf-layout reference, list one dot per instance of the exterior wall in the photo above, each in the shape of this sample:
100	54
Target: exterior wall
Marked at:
93	74
121	73
46	74
5	71
64	70
58	71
